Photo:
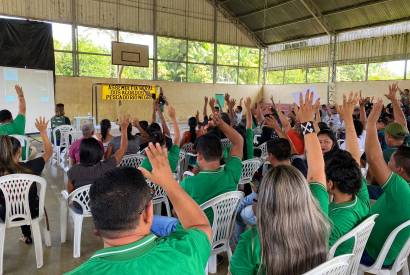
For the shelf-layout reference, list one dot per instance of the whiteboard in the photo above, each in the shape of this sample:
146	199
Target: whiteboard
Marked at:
38	87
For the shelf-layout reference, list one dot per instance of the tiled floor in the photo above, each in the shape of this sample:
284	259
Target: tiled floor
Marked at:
19	258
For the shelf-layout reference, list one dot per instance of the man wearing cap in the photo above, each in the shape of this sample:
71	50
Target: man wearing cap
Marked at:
74	150
395	135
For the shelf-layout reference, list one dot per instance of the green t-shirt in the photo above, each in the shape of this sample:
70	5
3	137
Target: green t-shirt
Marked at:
345	216
393	207
209	184
183	252
249	143
173	158
246	259
15	127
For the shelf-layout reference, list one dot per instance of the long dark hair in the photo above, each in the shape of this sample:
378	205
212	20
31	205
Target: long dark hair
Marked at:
90	152
9	147
192	128
105	125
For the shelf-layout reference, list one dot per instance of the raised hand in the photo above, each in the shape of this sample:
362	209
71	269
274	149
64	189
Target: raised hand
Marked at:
19	91
393	88
248	104
161	171
217	120
41	124
271	122
375	113
212	102
232	103
206	99
306	112
124	121
171	112
346	110
227	97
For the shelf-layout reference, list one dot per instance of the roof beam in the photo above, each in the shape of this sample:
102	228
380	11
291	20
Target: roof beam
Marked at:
314	10
272	6
381	23
331	12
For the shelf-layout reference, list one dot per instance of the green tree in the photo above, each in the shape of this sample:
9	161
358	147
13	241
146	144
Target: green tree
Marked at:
295	76
274	77
319	74
248	76
352	72
381	71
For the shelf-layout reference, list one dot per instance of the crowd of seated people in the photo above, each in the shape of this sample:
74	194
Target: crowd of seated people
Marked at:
308	192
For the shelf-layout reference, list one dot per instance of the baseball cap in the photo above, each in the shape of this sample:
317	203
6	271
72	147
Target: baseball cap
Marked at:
396	130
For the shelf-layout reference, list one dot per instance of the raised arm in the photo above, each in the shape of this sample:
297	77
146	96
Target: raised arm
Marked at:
173	116
248	107
205	110
231	106
283	120
363	116
155	107
346	113
22	100
398	114
144	134
212	102
41	125
232	135
124	122
189	213
374	154
314	156
164	125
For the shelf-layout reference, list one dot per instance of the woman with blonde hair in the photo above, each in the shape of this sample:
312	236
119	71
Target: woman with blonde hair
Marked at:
292	230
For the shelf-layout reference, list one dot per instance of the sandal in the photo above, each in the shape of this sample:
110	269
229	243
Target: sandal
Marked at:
26	240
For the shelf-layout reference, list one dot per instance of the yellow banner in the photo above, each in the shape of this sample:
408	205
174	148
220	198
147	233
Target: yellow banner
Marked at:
128	92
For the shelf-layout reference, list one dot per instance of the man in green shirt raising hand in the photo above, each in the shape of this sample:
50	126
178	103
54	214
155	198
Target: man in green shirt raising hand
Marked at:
393	206
122	211
16	126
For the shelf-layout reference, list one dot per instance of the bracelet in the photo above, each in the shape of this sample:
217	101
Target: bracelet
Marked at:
307	127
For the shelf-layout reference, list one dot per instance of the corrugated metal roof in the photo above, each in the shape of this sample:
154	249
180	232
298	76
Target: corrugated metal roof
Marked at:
276	21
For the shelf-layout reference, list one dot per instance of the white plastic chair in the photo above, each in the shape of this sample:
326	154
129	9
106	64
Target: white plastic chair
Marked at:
15	188
264	150
401	261
249	167
64	131
224	209
360	234
335	266
225	143
159	197
188	147
24	141
81	198
133	160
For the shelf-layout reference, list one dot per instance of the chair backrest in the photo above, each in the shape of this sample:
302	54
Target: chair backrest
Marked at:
360	234
188	147
335	266
81	198
159	194
15	188
404	253
25	143
249	167
224	209
264	150
64	131
225	143
133	160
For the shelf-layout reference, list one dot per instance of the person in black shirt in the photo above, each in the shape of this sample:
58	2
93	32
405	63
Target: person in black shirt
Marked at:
10	154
